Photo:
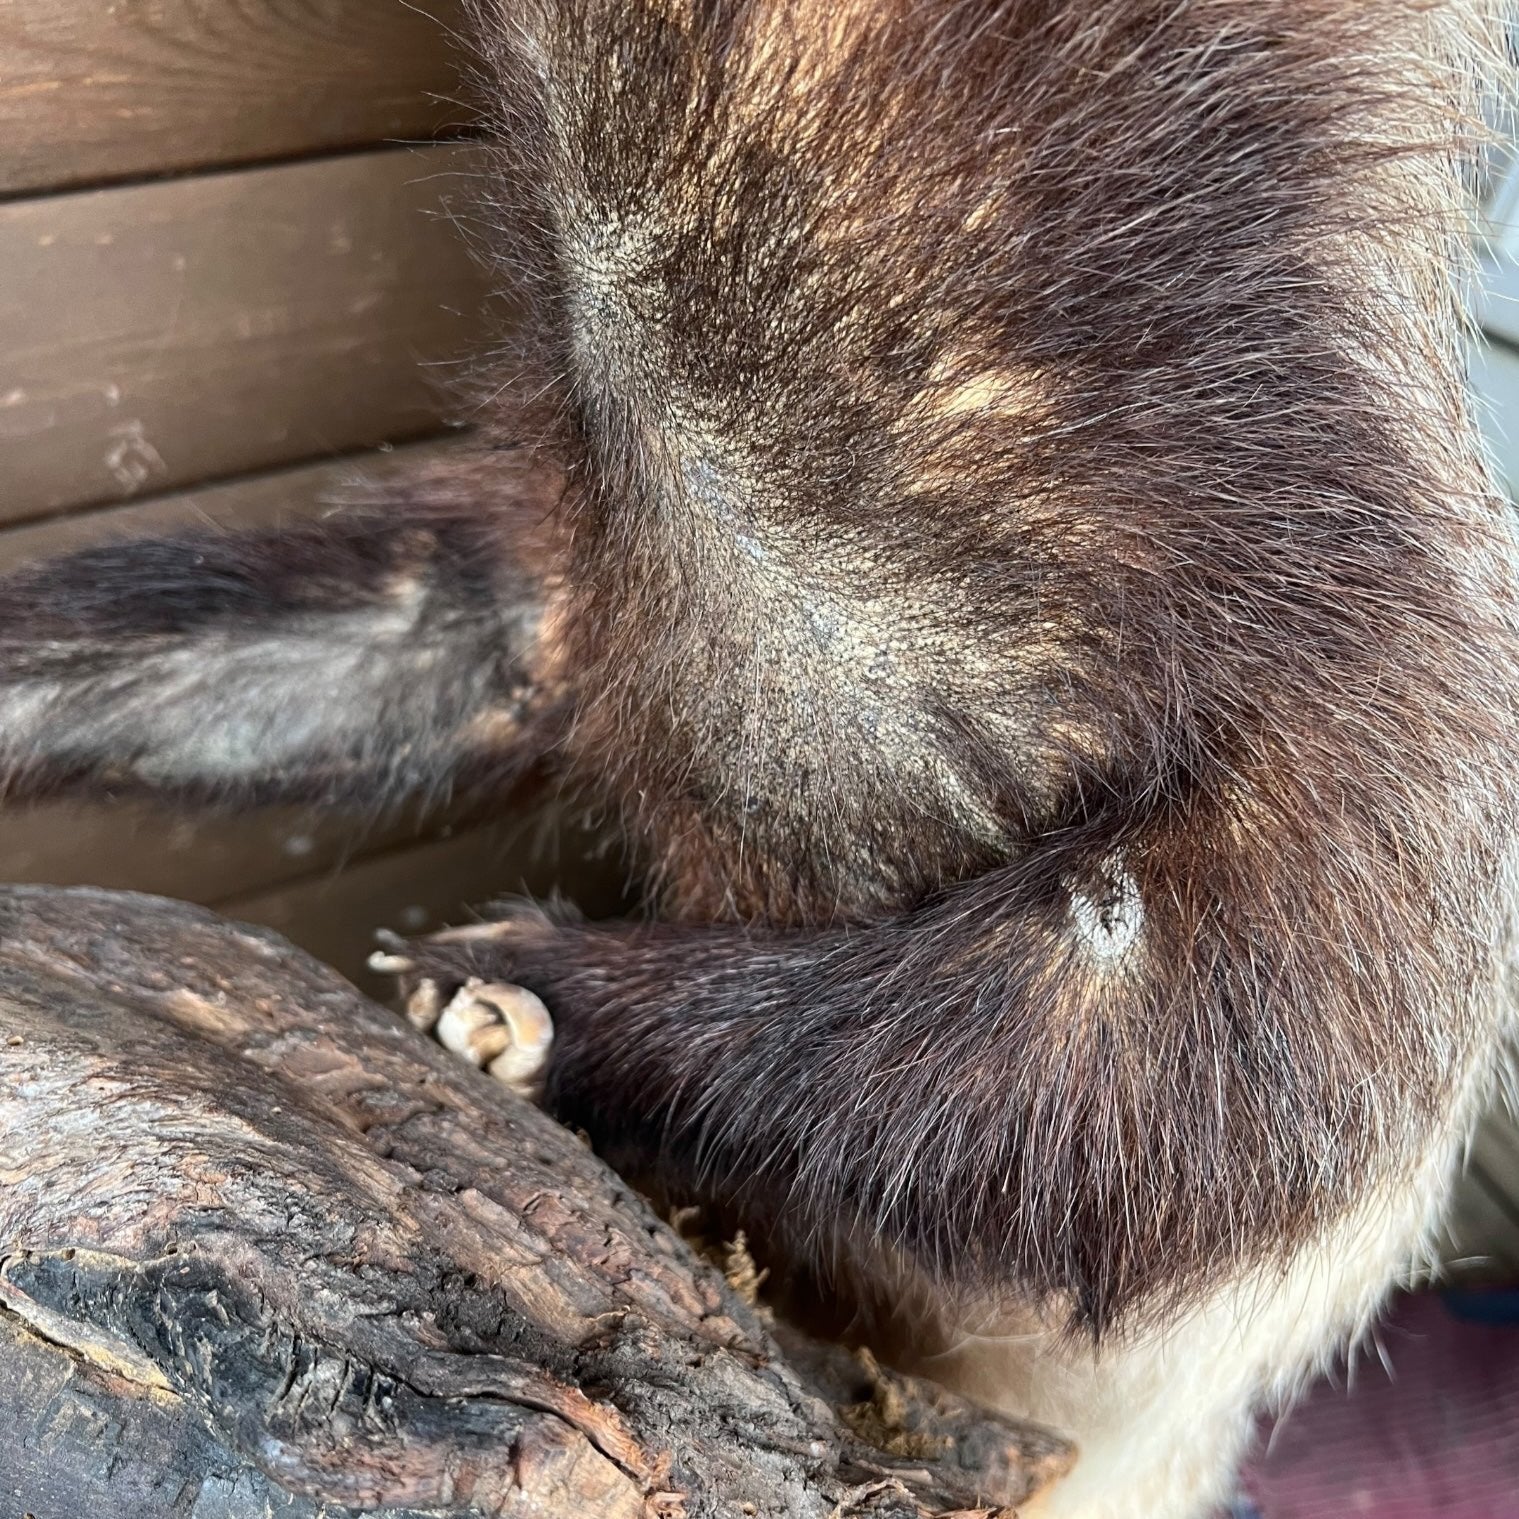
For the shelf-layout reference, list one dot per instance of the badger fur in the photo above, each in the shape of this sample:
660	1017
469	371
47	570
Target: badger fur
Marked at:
985	489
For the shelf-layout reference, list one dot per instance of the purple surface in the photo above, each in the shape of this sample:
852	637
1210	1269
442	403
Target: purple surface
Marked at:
1437	1437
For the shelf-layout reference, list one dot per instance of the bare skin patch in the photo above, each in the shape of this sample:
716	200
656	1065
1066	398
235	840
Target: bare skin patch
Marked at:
1108	917
959	390
965	410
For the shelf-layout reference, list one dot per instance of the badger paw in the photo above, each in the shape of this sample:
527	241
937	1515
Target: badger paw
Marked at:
503	1030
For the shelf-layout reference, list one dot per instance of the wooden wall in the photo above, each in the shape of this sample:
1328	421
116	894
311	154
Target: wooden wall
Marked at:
229	280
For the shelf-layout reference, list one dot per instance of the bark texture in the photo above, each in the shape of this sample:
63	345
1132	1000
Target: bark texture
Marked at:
264	1251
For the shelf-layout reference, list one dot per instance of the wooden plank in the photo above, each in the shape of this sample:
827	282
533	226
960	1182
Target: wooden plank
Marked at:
136	846
92	92
261	500
1494	374
445	882
159	335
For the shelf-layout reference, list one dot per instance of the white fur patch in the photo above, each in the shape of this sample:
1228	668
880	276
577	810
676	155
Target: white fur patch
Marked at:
1109	920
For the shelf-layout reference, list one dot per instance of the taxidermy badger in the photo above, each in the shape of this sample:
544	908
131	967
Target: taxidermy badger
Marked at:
985	488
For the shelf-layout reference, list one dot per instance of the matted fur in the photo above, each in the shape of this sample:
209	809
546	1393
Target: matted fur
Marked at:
1021	564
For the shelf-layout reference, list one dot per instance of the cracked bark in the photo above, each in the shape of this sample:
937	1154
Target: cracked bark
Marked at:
264	1251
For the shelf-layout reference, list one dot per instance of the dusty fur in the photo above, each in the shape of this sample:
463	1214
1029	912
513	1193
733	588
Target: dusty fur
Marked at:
1061	496
1002	525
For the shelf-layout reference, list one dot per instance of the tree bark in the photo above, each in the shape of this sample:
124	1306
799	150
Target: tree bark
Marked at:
265	1251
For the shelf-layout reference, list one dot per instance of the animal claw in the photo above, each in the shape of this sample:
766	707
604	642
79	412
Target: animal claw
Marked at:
506	1030
383	963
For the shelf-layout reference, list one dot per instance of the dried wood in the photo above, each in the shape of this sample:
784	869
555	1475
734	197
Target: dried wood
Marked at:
265	1251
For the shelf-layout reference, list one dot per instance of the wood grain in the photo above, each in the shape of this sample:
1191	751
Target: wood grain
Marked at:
91	92
446	881
159	335
263	499
264	1250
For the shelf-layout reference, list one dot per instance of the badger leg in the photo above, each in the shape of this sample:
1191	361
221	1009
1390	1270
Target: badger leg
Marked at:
1139	1124
366	657
1006	1087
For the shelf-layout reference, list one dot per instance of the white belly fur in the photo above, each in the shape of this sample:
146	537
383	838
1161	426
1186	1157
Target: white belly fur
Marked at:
1161	1422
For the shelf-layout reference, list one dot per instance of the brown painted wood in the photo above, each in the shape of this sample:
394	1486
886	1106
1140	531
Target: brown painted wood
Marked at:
447	880
160	335
132	845
265	499
264	1250
91	92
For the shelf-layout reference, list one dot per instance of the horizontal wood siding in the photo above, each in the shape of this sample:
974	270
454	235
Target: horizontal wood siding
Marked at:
157	335
446	881
260	500
91	91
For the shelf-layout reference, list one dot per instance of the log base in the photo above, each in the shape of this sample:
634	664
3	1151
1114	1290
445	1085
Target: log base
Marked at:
266	1253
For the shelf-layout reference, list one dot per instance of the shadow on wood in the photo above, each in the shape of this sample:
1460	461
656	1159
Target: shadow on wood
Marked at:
265	1251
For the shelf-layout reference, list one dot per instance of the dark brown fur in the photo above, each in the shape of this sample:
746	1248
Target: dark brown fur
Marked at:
1188	596
1022	570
